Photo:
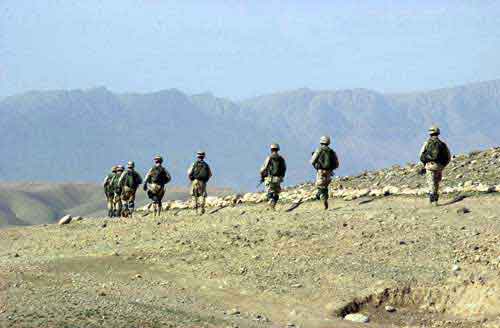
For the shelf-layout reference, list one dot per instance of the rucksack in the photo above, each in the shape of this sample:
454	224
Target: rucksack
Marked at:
436	151
156	174
327	160
276	166
201	171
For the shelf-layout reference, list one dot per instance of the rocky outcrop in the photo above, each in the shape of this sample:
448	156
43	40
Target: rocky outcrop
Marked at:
477	172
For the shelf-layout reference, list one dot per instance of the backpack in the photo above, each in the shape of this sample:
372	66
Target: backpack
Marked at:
276	166
156	175
436	151
201	171
131	180
327	160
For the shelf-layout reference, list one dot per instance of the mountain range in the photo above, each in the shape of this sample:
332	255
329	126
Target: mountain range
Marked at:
77	135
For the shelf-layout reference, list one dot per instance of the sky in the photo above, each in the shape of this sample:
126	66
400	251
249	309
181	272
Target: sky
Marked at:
241	49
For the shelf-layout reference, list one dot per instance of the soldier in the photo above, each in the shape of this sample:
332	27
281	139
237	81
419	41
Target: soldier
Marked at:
199	173
117	191
435	156
129	182
154	184
108	192
272	174
325	161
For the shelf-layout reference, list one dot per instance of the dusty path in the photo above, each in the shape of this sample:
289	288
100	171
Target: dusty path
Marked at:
248	267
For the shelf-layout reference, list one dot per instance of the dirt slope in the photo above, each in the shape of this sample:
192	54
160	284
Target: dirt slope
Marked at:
248	267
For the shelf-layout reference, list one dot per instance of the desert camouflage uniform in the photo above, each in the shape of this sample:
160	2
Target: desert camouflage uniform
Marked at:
109	193
129	191
323	177
156	189
117	201
434	174
272	183
199	188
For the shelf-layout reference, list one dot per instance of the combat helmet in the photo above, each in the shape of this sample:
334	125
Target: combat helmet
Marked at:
274	146
200	153
158	158
130	164
434	130
113	168
324	140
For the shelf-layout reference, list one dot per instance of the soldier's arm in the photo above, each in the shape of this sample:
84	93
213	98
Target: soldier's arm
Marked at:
147	178
168	176
190	171
106	181
263	169
122	179
422	150
314	157
209	171
139	178
284	167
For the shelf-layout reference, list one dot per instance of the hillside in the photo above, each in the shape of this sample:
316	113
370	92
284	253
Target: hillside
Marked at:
40	203
76	135
395	261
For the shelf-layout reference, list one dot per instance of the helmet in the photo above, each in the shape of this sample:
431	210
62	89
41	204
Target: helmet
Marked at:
131	165
324	140
434	130
200	153
113	168
119	168
158	158
275	146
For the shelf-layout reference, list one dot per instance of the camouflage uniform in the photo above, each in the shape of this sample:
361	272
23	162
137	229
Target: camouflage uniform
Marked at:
116	190
108	192
434	170
273	181
129	182
199	186
154	183
323	176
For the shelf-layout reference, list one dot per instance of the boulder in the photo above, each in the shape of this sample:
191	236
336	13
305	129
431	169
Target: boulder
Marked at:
357	317
65	220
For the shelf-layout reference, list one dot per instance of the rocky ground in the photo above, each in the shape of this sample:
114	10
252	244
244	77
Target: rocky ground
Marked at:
393	261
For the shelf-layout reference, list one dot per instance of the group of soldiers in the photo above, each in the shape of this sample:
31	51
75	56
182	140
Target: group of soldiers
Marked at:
120	186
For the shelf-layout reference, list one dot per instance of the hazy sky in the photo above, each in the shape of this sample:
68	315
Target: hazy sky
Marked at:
239	49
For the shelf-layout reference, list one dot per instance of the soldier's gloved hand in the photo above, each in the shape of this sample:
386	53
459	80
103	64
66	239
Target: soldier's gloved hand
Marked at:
422	171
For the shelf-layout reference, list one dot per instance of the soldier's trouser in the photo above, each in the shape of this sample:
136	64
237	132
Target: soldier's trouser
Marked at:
433	179
199	194
128	200
273	186
117	205
109	203
156	193
323	180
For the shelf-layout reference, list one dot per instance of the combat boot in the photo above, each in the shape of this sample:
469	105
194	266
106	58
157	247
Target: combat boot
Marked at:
325	203
436	199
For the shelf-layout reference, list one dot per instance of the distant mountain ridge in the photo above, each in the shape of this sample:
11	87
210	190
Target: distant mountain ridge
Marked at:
77	135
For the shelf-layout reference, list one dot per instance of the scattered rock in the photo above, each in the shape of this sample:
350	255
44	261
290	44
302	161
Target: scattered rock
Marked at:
463	210
233	312
390	308
104	225
79	218
16	255
138	276
455	268
357	317
65	220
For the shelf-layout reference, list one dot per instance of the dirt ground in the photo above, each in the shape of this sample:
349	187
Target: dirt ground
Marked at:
250	267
